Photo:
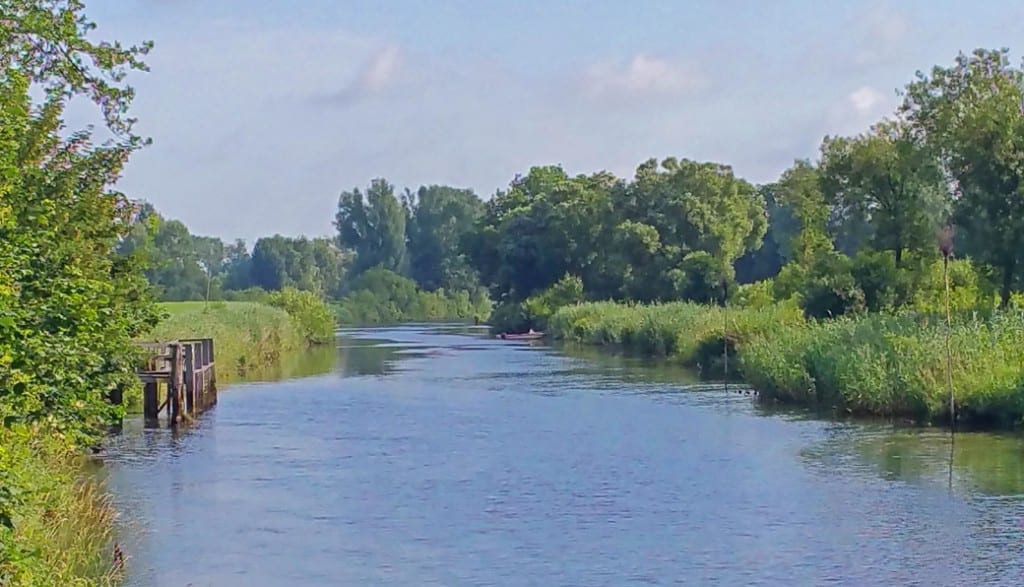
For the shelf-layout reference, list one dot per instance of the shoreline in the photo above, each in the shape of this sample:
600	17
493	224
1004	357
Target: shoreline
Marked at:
870	367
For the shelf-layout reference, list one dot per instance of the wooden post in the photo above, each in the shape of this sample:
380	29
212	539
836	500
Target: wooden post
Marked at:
212	377
190	378
174	384
150	402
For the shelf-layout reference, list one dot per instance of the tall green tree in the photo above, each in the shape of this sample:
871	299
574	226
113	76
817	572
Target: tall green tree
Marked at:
972	115
546	225
373	225
440	217
888	183
799	190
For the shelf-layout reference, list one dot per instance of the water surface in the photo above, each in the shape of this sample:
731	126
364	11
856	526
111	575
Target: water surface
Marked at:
427	455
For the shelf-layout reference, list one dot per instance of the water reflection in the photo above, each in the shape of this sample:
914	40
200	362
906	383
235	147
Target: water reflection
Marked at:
316	360
990	463
359	357
629	368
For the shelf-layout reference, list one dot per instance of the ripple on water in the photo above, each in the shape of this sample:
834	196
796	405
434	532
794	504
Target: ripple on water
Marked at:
433	457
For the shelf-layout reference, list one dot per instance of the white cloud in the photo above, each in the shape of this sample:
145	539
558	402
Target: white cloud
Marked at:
865	99
380	70
884	32
644	76
858	110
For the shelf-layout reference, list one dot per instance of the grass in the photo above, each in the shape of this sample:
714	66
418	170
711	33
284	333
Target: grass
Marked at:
247	336
63	521
882	365
692	334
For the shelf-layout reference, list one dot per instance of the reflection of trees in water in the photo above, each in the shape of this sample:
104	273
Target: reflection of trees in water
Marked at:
629	368
990	463
366	357
315	360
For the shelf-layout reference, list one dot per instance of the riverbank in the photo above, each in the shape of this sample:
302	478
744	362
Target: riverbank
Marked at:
56	522
247	336
877	365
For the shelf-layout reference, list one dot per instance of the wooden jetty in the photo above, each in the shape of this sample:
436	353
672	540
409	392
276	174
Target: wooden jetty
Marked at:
184	371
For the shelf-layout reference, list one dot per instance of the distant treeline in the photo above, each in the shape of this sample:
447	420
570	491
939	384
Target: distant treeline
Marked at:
394	258
857	229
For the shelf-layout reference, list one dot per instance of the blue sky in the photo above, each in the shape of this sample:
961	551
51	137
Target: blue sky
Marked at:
263	111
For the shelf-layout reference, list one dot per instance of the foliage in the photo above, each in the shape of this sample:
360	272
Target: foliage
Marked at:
885	190
56	525
313	265
895	365
891	365
373	225
308	311
47	42
754	295
379	296
439	219
247	336
692	334
971	114
566	292
673	232
69	306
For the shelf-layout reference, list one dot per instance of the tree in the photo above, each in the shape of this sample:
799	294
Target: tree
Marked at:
373	225
799	190
279	262
693	207
546	225
885	190
972	116
69	307
440	217
776	248
237	266
46	42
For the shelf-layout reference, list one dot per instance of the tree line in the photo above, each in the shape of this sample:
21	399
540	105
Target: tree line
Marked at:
394	257
853	229
857	228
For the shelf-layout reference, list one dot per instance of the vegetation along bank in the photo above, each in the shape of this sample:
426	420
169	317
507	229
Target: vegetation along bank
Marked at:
880	364
835	275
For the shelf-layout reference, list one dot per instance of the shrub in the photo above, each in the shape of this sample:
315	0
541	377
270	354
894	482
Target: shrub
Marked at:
308	311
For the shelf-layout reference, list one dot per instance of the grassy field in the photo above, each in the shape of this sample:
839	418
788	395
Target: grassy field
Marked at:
247	336
882	365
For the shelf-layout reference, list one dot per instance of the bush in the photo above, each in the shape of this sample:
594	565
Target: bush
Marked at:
379	296
308	311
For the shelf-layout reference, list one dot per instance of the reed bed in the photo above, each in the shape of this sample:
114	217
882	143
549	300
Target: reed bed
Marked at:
881	365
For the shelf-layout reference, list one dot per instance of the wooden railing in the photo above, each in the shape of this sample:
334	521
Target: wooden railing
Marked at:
185	371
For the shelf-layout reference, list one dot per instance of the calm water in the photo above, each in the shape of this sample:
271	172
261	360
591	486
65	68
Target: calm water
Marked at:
430	456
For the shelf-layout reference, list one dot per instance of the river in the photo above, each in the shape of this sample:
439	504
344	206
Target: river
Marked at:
426	455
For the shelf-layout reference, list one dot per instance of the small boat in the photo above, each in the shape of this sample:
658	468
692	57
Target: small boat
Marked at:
531	335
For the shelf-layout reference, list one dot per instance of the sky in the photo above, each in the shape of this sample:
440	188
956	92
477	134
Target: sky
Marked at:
263	111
